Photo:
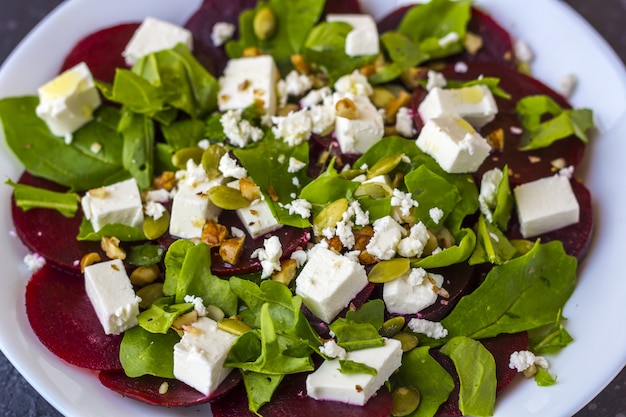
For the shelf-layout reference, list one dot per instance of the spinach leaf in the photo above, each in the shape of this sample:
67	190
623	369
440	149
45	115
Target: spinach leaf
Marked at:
145	255
476	368
137	130
403	53
121	231
174	259
326	188
184	133
47	156
552	341
145	353
351	367
28	197
352	335
372	312
452	255
134	92
543	378
260	388
161	314
492	246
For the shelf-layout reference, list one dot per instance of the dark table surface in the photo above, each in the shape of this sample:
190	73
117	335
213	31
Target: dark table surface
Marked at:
19	399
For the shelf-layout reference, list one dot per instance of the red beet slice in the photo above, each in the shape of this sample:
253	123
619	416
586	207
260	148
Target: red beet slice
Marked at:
524	165
290	399
343	6
63	318
146	389
49	233
501	347
102	51
577	237
497	46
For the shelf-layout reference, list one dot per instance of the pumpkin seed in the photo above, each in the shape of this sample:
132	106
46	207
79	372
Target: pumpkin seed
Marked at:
392	327
227	198
144	275
211	160
386	271
149	294
409	341
330	215
155	228
233	325
375	190
181	156
405	401
214	312
385	165
264	23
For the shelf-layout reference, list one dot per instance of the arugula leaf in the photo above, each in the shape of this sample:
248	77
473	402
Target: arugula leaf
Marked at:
145	353
351	367
372	312
476	368
28	197
161	314
121	231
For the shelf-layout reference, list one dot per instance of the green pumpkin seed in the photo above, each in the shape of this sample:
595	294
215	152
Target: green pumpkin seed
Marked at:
181	156
211	160
385	165
234	326
405	401
386	271
154	229
392	327
381	97
149	294
375	190
227	198
330	215
409	341
351	174
264	23
214	312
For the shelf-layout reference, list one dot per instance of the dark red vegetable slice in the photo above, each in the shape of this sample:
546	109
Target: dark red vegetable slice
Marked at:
178	394
577	237
342	6
49	233
291	400
524	165
501	347
497	47
102	51
63	318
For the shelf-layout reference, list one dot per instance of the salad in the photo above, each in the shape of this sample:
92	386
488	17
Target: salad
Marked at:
396	156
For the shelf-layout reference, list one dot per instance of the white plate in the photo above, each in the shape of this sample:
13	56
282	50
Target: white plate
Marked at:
595	311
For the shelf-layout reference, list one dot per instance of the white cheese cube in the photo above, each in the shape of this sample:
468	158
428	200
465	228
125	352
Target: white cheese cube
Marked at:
248	81
475	104
412	292
257	218
115	203
454	144
155	35
191	209
545	205
363	39
112	296
68	101
387	235
328	383
328	282
361	133
200	355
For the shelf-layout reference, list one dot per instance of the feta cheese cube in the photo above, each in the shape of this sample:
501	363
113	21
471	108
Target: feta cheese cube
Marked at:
191	209
248	81
363	38
328	282
67	102
200	355
412	292
364	131
112	296
545	205
155	35
387	235
454	144
115	203
474	104
328	383
258	219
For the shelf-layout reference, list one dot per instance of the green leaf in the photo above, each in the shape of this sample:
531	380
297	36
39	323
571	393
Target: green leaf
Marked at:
452	255
184	133
492	246
161	314
28	197
476	368
145	353
137	131
260	388
551	341
174	259
403	53
543	378
145	255
372	312
135	93
351	367
326	188
352	335
121	231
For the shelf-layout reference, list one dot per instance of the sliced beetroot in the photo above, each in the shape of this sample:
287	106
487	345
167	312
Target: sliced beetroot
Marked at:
290	399
63	318
501	347
102	51
497	46
577	237
147	389
49	233
523	165
342	6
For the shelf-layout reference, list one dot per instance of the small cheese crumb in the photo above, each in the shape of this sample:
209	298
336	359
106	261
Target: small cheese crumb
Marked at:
522	360
198	304
431	329
34	262
448	39
154	210
436	214
269	256
331	349
222	31
95	147
435	79
460	67
300	207
230	168
295	165
404	201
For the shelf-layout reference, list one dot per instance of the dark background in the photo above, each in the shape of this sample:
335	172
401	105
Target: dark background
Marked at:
17	18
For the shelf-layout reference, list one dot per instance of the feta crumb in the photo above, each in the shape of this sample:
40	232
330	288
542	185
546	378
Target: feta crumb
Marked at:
295	165
516	130
315	97
239	131
236	232
354	83
154	210
323	119
404	201
295	181
416	277
204	144
413	245
361	218
222	31
299	256
298	206
160	196
436	214
522	360
523	51
344	232
294	128
269	256
448	39
230	168
429	328
331	349
95	147
297	84
404	123
34	262
567	84
435	79
198	304
460	67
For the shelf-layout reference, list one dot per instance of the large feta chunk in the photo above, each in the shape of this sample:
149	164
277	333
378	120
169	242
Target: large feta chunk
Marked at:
200	355
155	35
248	81
328	282
362	132
191	209
115	203
67	102
112	296
328	383
411	292
545	205
387	235
363	38
454	144
475	104
258	219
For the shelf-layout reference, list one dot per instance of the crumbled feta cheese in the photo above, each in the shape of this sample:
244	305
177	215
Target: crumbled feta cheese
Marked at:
299	206
522	360
331	349
448	39
429	328
239	131
354	83
344	232
404	201
297	84
322	118
413	245
488	192
295	165
404	122
198	304
160	196
361	218
412	292
95	147
34	262
436	214
387	235
435	80
299	256
229	167
193	176
460	67
236	232
523	51
222	31
204	144
294	128
363	38
269	256
154	210
315	97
